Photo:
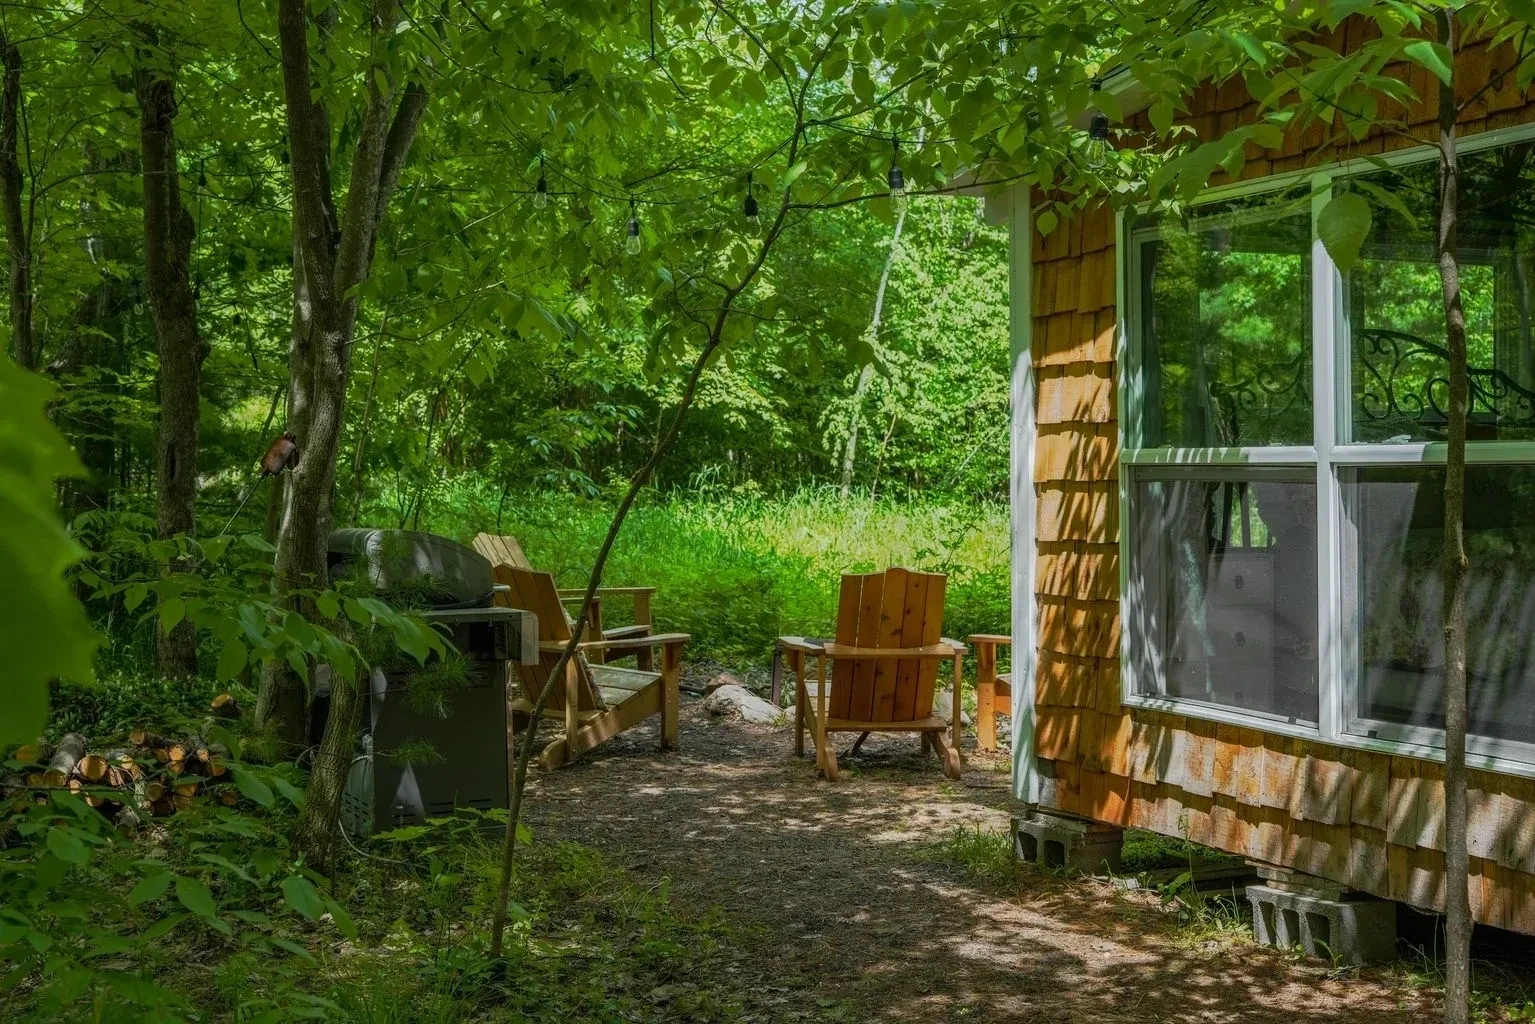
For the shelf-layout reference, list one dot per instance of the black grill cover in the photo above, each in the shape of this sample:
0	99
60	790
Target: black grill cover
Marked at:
435	571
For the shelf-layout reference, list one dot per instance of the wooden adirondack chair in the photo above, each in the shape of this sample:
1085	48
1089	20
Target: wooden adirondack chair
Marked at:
990	687
503	549
595	701
884	662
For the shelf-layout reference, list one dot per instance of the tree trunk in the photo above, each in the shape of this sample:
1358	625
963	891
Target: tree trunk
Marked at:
98	333
168	233
17	241
1457	988
332	255
866	375
316	835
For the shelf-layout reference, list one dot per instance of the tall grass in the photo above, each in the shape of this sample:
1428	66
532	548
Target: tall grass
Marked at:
738	571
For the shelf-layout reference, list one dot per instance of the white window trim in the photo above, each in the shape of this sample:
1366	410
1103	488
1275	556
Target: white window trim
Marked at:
1336	672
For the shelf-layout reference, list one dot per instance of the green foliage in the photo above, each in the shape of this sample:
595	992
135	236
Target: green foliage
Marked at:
43	630
212	920
91	920
121	701
1342	225
984	855
224	587
736	571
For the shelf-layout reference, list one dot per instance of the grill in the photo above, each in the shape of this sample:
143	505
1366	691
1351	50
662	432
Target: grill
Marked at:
453	589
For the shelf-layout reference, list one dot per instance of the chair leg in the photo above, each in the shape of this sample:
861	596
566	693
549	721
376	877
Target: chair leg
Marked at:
799	705
671	696
986	714
554	755
957	722
950	756
828	759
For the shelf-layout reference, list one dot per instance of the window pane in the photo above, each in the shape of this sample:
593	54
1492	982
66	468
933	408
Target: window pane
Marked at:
1396	309
1226	325
1399	513
1225	572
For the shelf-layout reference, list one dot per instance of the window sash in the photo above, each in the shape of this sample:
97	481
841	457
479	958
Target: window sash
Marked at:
1330	454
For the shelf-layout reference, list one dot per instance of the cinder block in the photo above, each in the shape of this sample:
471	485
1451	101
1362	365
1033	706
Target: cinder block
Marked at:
1346	931
1076	845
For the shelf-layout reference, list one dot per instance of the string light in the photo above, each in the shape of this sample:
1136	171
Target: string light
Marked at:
541	189
632	242
898	196
1098	149
749	208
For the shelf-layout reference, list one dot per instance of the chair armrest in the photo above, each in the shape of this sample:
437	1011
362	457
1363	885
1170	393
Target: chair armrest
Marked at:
945	649
989	639
801	644
656	640
626	632
959	648
576	593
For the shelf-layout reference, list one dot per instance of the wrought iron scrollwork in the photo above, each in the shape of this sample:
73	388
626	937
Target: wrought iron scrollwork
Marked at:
1405	379
1256	406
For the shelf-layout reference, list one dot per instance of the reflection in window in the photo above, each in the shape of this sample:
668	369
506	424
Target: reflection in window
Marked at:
1399	513
1226	314
1226	571
1396	307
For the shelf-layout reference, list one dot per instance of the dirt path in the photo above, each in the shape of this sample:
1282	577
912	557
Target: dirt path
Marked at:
843	913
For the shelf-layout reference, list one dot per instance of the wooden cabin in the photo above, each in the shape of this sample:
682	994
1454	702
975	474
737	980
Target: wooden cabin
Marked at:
1227	509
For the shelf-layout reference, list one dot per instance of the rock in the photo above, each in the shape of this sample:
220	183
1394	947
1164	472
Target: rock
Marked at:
735	701
943	704
722	679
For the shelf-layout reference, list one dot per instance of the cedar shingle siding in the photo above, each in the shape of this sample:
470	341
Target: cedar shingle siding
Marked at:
1372	821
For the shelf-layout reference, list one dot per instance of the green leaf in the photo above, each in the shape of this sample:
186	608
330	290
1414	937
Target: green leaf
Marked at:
171	611
43	629
1342	225
67	847
1251	47
232	659
303	897
1523	10
356	612
195	896
251	786
403	834
1047	222
344	922
151	887
1387	198
289	791
228	865
792	174
1432	55
294	948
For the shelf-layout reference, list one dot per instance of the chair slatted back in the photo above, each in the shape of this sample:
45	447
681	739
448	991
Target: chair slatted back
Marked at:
894	608
501	550
535	592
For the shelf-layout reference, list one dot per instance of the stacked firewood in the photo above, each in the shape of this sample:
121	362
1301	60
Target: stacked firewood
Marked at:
156	775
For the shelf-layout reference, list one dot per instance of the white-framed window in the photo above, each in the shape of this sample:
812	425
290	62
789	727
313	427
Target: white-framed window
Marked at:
1282	450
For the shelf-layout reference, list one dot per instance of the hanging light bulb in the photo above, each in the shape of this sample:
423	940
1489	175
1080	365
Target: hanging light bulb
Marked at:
898	196
541	189
749	208
1099	149
632	239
